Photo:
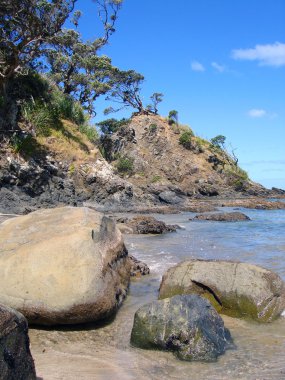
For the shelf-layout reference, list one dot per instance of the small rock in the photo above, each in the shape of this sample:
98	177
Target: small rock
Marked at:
138	268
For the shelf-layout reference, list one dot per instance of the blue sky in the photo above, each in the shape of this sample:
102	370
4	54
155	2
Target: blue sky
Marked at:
219	63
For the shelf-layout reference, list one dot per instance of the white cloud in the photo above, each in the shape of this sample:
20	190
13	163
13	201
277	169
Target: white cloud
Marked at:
197	66
219	68
266	55
256	113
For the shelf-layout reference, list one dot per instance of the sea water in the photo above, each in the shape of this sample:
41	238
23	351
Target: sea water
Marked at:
104	352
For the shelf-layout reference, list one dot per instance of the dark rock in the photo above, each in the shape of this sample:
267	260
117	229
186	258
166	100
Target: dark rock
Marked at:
222	217
170	197
149	225
16	362
138	268
187	325
236	289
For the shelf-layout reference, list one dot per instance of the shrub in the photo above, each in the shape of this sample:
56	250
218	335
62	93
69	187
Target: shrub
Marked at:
152	128
125	165
185	139
40	116
23	144
173	117
155	178
110	126
90	132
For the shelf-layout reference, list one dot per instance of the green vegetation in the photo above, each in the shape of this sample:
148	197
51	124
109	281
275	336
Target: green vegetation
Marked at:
155	178
153	128
125	165
173	117
237	177
185	139
218	141
110	126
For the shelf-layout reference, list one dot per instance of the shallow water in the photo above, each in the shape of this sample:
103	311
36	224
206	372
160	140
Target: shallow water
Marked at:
105	353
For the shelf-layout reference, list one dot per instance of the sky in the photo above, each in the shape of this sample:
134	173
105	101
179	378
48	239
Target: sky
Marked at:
219	63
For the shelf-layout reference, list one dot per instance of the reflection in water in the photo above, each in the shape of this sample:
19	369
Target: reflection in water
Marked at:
105	352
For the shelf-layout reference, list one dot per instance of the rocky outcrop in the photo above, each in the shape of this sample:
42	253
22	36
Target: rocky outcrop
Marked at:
63	266
235	289
254	203
145	225
16	362
138	268
187	325
223	217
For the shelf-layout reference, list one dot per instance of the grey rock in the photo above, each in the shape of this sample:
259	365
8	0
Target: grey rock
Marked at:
16	362
187	325
223	217
170	197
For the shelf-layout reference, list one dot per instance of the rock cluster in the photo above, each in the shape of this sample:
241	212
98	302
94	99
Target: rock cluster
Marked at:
145	225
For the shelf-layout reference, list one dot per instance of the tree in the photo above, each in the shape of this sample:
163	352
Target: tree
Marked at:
156	98
126	87
32	30
74	64
110	126
173	117
24	26
218	141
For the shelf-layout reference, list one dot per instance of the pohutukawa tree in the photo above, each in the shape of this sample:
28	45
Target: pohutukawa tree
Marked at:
32	35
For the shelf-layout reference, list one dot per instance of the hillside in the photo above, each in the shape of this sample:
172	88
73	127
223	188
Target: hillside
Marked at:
147	167
166	158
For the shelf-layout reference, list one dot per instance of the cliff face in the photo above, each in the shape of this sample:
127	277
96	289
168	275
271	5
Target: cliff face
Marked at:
162	165
147	166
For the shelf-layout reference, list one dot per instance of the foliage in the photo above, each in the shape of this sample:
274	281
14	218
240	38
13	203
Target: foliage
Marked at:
237	177
185	139
173	117
155	98
90	132
24	26
125	165
126	91
110	126
218	141
153	128
155	178
40	116
23	144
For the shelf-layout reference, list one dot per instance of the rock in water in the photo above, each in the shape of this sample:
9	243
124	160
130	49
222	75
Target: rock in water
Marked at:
16	362
138	268
63	266
235	289
223	217
187	325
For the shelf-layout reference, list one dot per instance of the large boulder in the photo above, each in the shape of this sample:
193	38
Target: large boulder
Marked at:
234	216
187	325
16	362
235	289
63	266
